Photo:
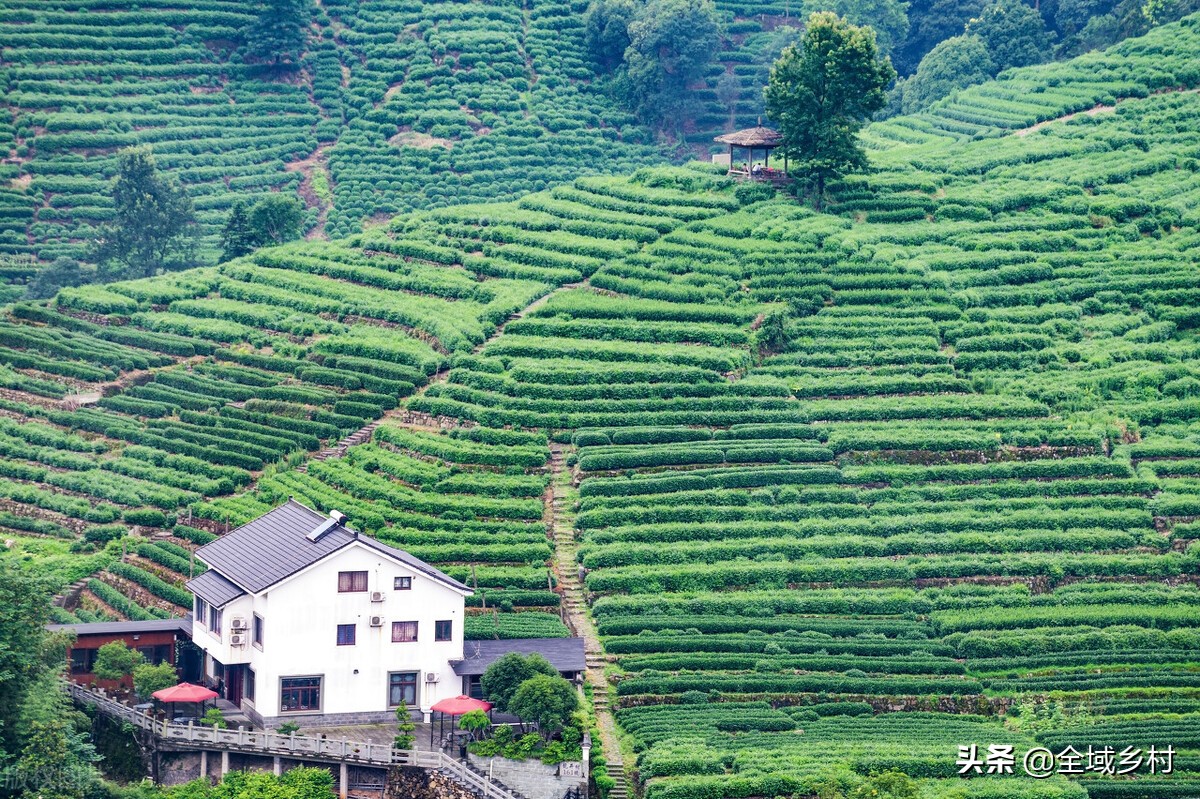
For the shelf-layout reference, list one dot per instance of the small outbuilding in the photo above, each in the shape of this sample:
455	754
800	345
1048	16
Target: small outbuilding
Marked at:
564	654
752	140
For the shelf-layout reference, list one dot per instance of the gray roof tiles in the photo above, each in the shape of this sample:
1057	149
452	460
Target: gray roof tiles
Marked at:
182	625
214	589
274	546
565	654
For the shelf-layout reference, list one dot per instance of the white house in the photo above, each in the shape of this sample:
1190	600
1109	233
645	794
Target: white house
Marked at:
304	619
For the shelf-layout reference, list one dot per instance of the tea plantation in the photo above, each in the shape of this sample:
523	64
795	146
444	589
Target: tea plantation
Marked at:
851	489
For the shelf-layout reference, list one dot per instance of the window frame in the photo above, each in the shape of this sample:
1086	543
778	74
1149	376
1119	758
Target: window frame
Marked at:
200	611
415	632
416	686
248	684
403	583
347	634
88	658
215	620
320	689
257	631
351	579
437	630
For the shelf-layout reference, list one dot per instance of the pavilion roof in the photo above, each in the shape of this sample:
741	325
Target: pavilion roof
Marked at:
752	137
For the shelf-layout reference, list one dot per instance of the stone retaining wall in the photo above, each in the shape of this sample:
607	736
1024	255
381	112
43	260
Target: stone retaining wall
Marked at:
533	778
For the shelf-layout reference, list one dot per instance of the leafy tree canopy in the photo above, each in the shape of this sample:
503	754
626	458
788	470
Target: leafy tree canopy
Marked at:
148	678
115	660
822	91
153	222
502	678
671	43
606	31
1015	34
933	21
548	700
958	62
278	35
272	220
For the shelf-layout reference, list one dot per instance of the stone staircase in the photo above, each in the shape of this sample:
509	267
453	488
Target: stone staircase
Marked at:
360	436
458	778
575	614
621	789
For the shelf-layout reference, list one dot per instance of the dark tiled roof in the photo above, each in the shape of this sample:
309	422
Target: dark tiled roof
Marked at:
214	589
183	625
260	553
564	654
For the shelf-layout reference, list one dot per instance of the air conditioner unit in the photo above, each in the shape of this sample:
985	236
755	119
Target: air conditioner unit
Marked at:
377	596
237	640
238	623
433	676
377	621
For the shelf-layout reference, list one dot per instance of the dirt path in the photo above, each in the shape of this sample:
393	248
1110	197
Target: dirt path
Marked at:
566	569
1091	112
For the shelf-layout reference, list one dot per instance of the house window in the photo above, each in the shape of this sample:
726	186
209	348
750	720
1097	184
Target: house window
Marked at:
214	621
154	655
352	582
443	630
404	631
402	687
299	693
248	688
200	612
258	630
402	583
345	635
83	661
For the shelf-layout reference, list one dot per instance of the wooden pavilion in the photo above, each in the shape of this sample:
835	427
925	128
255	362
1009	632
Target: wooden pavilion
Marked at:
752	139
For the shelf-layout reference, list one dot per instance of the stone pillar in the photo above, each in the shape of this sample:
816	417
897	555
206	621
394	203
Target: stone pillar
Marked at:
586	746
224	763
344	780
203	764
278	765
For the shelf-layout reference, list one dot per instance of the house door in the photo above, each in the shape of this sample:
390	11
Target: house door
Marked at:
234	680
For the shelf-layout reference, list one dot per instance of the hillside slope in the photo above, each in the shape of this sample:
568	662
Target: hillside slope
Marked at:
398	106
854	488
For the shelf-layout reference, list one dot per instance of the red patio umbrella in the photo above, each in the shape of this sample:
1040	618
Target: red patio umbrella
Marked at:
456	706
185	692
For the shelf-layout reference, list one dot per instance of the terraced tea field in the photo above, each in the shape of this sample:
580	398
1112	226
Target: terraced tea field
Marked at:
851	489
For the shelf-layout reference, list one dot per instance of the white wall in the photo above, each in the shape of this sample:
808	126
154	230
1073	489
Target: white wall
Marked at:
301	615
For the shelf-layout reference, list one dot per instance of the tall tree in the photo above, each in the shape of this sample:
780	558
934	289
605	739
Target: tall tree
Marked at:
671	43
39	738
278	34
235	238
1014	33
820	94
606	31
24	610
958	62
153	224
275	219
